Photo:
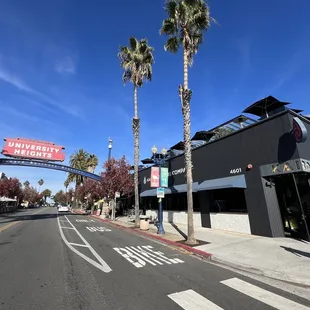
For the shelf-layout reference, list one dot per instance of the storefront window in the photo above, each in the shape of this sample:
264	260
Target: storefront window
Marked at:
228	200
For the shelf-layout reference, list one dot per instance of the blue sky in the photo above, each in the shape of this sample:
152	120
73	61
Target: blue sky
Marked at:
60	79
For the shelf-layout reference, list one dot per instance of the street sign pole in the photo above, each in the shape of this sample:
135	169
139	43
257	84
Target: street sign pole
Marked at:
160	230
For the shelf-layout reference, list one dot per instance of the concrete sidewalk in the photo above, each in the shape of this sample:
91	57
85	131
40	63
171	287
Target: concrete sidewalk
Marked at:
282	259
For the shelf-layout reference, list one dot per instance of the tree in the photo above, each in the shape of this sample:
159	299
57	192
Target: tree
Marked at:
46	193
92	163
31	194
66	184
60	197
10	188
26	183
78	160
40	182
91	189
186	22
116	177
137	61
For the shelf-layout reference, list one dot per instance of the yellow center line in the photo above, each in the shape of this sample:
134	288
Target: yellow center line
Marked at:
15	222
8	225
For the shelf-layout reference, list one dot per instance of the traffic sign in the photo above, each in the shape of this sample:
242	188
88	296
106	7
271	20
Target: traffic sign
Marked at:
160	192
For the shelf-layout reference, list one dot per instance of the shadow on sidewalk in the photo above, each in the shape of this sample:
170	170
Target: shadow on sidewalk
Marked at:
178	230
296	252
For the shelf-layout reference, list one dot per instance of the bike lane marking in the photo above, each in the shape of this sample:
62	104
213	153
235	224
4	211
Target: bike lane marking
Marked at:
102	265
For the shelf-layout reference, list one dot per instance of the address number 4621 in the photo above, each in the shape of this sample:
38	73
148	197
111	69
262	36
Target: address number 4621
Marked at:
234	171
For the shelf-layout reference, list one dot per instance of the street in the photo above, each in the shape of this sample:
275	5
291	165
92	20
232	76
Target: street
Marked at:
68	261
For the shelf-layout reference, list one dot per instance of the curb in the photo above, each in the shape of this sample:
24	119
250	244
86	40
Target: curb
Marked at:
202	254
159	238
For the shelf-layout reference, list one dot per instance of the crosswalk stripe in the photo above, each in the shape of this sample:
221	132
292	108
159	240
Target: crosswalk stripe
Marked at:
262	295
190	300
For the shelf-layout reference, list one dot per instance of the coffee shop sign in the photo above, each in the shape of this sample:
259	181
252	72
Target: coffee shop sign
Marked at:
174	172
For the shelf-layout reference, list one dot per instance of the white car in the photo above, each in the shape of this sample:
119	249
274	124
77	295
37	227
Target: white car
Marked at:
63	209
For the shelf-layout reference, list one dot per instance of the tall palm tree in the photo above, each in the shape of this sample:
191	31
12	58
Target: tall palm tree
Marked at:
185	24
78	160
137	61
66	184
92	163
40	182
26	183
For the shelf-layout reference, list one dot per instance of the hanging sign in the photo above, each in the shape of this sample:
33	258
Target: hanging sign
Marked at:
164	177
155	177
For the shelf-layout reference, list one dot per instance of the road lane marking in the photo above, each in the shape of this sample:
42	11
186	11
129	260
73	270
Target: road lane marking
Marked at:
268	298
9	225
141	255
84	221
93	229
190	300
78	244
62	227
103	266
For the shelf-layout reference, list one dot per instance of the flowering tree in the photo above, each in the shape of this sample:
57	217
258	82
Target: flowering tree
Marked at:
91	189
116	177
31	194
10	187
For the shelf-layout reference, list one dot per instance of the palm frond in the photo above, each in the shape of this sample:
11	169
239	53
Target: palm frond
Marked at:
137	61
172	44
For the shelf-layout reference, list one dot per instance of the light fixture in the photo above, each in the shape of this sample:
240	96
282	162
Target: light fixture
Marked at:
164	151
154	149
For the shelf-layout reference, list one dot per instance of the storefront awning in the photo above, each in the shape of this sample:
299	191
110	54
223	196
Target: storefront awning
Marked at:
182	188
236	181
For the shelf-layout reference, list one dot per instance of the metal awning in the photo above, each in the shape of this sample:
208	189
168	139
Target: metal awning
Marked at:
182	188
236	181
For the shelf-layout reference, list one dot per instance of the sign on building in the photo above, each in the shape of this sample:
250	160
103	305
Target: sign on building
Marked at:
164	177
26	148
155	177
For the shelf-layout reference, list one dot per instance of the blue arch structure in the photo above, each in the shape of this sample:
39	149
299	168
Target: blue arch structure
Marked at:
47	165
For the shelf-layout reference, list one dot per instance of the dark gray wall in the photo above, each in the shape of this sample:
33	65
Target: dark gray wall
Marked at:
268	141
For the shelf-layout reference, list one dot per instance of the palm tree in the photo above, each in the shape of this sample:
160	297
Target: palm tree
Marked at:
66	184
92	163
46	193
137	61
26	183
40	182
186	22
78	160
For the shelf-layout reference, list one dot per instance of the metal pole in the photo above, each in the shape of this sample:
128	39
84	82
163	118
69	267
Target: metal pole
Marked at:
301	208
160	228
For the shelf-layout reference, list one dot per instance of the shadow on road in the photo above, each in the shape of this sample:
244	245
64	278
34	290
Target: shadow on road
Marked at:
296	252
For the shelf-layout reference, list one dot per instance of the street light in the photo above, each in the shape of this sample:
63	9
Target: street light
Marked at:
159	160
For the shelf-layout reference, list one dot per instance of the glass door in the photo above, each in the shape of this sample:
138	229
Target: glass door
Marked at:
292	212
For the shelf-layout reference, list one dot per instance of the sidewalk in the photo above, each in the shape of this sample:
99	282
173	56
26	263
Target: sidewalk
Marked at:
282	259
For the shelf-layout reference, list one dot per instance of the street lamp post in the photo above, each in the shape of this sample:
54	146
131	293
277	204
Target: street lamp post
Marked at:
159	160
110	148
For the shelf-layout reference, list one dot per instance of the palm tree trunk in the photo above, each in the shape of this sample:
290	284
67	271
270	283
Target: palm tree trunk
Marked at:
136	133
185	95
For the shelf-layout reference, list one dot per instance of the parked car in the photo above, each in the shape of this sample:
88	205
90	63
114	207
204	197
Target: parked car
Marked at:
64	209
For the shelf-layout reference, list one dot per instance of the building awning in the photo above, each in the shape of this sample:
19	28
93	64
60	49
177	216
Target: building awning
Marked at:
182	188
236	181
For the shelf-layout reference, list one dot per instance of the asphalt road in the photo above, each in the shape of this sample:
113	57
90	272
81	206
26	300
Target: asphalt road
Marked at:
76	262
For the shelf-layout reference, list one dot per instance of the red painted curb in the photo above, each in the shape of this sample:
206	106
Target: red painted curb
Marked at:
184	246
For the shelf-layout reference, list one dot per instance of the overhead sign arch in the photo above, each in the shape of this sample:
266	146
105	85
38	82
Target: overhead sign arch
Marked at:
47	165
